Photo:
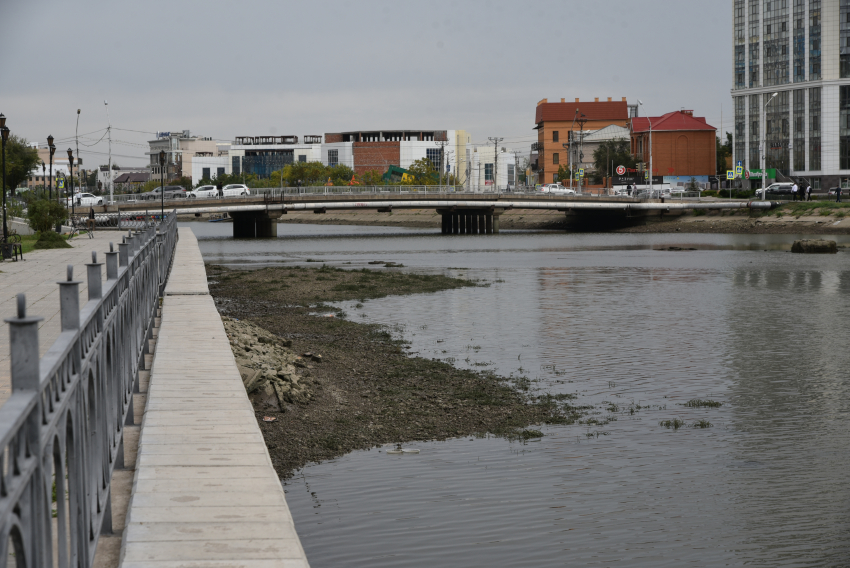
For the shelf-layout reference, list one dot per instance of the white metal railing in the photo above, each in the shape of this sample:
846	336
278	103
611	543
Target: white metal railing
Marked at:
62	428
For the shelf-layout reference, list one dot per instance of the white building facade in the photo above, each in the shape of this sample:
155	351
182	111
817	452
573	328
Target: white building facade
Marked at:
490	170
798	49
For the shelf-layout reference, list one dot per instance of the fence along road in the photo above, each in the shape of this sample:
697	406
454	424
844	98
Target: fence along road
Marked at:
205	492
62	427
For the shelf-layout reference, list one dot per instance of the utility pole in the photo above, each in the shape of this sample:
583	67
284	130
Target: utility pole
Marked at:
442	161
77	139
109	131
516	170
582	120
495	141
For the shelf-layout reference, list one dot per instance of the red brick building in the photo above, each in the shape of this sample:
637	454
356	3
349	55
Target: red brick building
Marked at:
682	144
555	121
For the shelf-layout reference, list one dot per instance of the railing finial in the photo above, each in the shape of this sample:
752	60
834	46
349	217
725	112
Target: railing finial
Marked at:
70	272
111	249
22	306
94	257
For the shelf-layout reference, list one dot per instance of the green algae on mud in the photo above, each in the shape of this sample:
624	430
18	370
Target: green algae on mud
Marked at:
367	391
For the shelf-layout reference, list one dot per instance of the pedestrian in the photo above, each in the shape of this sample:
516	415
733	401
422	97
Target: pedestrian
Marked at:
808	192
838	194
794	189
220	189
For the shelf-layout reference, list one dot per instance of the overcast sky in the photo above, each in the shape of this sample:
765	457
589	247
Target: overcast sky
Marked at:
255	67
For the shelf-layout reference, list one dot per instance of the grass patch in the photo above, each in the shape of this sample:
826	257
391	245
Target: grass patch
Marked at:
702	424
675	424
51	240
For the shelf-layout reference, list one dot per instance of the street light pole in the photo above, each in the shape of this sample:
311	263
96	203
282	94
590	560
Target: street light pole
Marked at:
52	149
764	149
43	175
5	134
161	185
582	120
71	166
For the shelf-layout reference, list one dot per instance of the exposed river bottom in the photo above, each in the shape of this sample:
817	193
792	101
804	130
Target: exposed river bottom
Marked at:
715	368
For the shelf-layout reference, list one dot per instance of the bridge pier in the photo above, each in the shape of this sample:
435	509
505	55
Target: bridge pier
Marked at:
255	224
469	221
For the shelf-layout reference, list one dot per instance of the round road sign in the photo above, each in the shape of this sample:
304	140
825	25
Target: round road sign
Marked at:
621	170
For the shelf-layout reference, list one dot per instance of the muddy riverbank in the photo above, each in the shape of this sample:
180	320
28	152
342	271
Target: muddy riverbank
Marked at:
359	388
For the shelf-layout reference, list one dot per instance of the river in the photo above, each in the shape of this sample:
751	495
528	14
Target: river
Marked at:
637	331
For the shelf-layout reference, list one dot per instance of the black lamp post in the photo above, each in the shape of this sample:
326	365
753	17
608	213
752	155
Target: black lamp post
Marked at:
5	132
162	185
71	166
52	151
43	176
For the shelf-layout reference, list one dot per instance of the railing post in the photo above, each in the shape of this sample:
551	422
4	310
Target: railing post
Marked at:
23	345
123	254
69	302
95	282
111	263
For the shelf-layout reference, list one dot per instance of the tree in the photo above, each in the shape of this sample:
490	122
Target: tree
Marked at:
44	214
21	159
617	151
423	172
372	177
723	152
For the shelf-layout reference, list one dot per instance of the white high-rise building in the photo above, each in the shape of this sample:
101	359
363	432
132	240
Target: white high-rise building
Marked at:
800	50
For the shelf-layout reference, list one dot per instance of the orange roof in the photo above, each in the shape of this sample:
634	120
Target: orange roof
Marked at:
606	110
671	121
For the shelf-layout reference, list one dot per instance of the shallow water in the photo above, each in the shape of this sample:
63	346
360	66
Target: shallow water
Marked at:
618	322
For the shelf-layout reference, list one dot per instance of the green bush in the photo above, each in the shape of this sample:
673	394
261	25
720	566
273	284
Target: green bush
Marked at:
51	240
44	214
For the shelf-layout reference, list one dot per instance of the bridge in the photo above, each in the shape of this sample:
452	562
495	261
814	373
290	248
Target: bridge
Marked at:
462	213
129	441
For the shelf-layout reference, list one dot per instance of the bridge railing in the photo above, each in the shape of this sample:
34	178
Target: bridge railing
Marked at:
62	428
117	221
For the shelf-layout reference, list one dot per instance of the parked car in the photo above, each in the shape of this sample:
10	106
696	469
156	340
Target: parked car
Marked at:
834	190
235	190
204	192
169	192
557	188
84	200
777	189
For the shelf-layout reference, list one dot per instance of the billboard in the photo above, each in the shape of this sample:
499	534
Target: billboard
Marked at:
681	182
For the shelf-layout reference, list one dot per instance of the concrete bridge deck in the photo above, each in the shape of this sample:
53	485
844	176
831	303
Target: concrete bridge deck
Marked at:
205	493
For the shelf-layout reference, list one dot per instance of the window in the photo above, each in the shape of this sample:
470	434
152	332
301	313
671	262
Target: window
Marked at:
333	158
236	165
302	158
556	158
555	178
814	40
844	128
206	173
219	172
433	154
844	40
554	136
511	174
814	129
488	173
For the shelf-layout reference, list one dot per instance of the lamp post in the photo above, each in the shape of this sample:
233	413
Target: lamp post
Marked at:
43	176
161	185
764	149
71	166
581	122
52	151
5	132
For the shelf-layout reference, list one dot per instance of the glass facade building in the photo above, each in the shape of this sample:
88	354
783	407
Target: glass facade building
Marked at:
800	50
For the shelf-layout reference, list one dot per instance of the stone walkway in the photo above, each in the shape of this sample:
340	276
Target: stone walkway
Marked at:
37	277
205	493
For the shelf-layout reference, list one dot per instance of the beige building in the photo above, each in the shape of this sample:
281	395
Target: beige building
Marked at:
180	149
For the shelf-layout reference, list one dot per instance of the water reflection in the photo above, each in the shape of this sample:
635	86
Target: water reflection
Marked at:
624	326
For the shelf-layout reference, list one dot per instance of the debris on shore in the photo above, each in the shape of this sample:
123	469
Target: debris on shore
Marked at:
815	246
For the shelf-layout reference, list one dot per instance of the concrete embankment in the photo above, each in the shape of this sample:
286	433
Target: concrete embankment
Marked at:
205	492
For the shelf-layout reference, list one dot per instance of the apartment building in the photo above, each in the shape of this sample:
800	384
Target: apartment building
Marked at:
559	126
791	88
682	144
180	149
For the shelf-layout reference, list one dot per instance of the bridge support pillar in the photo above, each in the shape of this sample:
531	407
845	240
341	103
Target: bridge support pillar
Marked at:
488	224
495	223
468	226
447	222
255	224
244	226
461	223
482	223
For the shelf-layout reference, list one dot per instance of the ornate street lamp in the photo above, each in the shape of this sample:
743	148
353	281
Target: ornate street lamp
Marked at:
161	185
71	166
5	134
43	176
52	151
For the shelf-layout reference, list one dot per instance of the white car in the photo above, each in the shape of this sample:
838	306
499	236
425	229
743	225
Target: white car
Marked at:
557	188
204	192
236	190
84	200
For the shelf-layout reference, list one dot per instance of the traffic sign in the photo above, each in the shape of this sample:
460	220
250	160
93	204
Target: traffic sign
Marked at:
621	170
581	172
739	171
730	174
747	174
60	183
740	164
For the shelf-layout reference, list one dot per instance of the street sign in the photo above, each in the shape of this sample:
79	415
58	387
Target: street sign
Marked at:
60	183
739	171
740	164
730	174
581	172
621	170
747	174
